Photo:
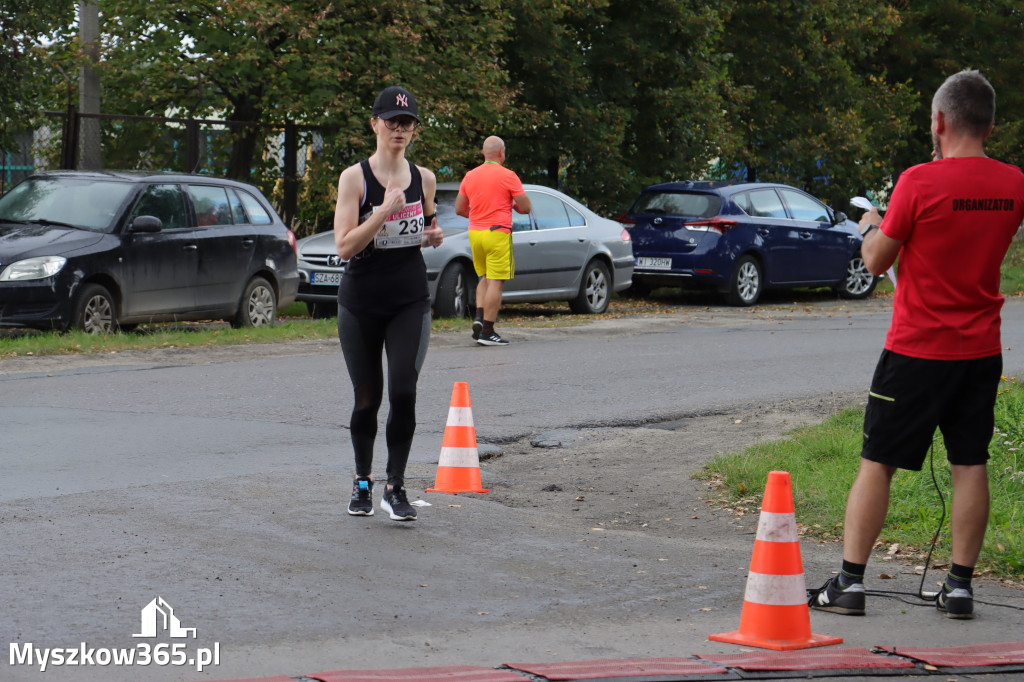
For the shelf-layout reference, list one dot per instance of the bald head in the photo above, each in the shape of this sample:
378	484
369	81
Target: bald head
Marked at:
494	149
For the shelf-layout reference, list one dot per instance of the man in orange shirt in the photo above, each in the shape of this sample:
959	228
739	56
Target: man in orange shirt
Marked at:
487	196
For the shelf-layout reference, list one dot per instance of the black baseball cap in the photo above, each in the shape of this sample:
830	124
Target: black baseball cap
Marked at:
395	101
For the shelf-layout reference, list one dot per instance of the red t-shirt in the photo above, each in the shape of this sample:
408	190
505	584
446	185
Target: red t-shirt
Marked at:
490	188
956	218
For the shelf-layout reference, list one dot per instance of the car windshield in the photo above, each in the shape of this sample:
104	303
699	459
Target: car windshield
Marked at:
689	204
85	203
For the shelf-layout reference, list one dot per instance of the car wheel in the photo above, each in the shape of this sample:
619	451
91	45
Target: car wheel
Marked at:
321	311
859	282
747	282
595	290
452	299
95	311
258	306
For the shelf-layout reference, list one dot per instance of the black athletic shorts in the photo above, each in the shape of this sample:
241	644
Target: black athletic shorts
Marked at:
911	397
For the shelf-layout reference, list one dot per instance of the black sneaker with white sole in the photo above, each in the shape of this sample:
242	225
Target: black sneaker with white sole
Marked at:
957	603
832	597
361	503
491	339
478	325
396	504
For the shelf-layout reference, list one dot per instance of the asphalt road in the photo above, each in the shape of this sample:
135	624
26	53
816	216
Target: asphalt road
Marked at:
216	480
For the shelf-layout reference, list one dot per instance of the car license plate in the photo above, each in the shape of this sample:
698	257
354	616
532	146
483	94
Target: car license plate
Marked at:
654	263
324	278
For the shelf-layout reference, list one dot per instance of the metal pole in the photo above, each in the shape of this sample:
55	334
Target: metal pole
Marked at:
90	148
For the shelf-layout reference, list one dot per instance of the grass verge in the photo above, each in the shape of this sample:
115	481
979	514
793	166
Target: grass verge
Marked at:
293	324
823	460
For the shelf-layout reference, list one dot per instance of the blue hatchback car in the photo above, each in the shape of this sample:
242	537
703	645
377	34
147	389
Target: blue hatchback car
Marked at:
741	239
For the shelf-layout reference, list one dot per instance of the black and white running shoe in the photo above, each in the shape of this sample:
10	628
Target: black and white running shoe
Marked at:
396	504
832	597
361	503
491	339
478	325
958	603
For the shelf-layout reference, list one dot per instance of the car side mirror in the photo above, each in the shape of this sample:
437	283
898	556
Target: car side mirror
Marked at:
147	223
839	218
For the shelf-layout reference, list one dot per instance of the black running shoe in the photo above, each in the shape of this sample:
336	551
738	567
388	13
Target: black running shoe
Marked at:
396	504
478	324
361	503
491	339
957	603
831	597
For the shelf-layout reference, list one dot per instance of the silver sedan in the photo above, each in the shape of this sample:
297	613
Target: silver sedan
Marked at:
563	252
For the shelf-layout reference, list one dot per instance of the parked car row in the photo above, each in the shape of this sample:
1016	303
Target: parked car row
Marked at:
563	251
99	251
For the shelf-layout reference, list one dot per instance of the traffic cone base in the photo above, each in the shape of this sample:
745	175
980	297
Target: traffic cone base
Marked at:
458	467
775	612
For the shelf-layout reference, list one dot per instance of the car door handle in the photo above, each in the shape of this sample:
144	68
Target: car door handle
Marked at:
190	247
533	242
763	231
248	242
805	235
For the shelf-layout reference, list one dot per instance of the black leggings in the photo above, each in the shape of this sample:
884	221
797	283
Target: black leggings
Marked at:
404	337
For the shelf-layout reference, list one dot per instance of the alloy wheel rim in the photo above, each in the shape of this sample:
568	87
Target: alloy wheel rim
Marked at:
597	289
460	309
858	279
98	316
748	281
261	307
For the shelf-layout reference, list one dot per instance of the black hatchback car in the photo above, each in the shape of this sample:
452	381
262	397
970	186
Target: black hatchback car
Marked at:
98	251
743	238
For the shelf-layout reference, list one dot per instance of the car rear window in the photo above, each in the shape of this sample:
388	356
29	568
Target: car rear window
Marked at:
257	214
689	204
447	218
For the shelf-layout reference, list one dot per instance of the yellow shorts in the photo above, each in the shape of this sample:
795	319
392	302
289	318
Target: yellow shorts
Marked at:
492	253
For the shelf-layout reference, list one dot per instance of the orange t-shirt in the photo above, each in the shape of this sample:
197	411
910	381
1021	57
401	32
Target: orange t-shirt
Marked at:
489	189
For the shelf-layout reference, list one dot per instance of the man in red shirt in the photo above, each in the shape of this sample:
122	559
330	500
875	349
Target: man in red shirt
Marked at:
487	196
950	221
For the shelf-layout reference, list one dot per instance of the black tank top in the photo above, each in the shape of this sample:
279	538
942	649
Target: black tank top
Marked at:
389	274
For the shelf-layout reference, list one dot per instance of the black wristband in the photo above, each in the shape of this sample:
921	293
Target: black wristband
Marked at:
427	219
867	229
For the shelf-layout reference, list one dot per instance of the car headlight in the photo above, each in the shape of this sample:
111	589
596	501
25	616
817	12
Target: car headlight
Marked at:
33	268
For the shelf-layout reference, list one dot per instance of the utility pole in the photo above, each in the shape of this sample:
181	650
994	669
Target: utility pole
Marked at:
90	149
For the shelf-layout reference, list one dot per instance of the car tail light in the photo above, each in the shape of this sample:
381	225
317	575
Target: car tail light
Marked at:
626	221
717	224
291	240
625	236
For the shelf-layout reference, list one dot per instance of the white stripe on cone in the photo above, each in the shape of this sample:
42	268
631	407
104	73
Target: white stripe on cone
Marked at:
460	416
458	457
773	527
776	590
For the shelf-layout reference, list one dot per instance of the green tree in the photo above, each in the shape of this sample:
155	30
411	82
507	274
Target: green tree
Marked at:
25	29
938	38
810	107
263	62
624	95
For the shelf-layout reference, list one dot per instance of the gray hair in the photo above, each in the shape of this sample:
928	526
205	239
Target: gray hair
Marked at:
968	102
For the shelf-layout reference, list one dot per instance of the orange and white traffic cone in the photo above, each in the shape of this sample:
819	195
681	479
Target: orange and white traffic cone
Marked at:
458	467
775	612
